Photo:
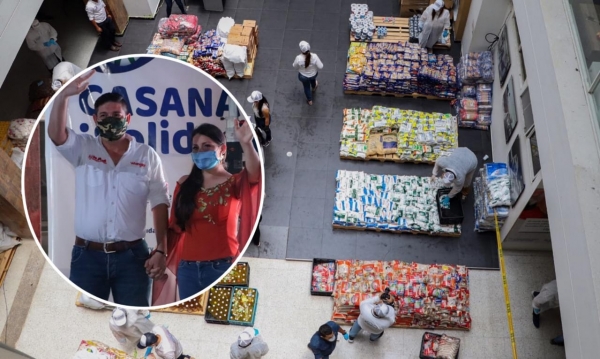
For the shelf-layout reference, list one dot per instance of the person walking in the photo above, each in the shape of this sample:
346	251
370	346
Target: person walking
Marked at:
457	170
544	300
213	212
41	38
434	20
323	342
115	178
165	345
99	14
376	315
308	66
170	6
249	345
262	114
128	325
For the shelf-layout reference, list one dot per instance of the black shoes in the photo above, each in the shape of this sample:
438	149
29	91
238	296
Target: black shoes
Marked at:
536	317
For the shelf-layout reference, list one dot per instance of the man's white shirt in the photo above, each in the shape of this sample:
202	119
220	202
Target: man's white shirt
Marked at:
111	201
96	11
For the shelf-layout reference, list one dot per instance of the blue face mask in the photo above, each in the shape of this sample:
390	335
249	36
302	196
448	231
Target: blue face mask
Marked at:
205	160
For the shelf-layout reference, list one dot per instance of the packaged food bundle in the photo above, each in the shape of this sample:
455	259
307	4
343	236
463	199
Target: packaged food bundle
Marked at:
173	46
498	184
485	62
469	91
195	37
484	119
468	104
484	94
470	71
323	277
178	25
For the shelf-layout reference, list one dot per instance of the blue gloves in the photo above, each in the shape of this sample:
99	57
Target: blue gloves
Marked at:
148	351
346	336
50	43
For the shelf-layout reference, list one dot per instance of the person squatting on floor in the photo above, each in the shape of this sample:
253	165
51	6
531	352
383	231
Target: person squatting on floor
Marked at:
457	170
111	195
128	325
249	345
323	342
376	315
165	345
262	114
308	66
41	38
99	14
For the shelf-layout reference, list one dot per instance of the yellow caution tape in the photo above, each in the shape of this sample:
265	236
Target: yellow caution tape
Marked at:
511	329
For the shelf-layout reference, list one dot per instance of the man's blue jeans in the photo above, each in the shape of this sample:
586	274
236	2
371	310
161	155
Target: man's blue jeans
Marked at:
309	84
193	277
356	329
121	273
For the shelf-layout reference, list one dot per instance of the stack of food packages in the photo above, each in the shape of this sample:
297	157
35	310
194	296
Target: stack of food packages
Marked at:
323	277
413	135
492	194
176	37
388	202
207	52
426	296
474	102
361	22
400	69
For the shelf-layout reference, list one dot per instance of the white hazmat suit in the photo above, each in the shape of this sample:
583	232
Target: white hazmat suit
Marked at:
433	28
548	297
137	324
62	73
41	38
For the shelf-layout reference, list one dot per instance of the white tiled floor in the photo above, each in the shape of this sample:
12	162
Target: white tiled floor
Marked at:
287	317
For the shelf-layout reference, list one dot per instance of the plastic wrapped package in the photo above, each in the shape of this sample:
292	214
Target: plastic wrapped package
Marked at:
498	184
484	109
178	25
484	120
171	46
485	61
469	91
468	104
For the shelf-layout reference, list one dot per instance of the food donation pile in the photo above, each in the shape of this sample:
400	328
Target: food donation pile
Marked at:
243	305
323	277
439	346
410	136
474	102
492	193
399	68
362	27
388	202
426	296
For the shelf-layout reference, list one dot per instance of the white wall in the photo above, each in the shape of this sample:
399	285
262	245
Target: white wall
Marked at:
485	16
16	17
567	134
141	8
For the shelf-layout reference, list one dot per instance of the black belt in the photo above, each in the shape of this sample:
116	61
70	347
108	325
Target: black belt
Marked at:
108	247
212	261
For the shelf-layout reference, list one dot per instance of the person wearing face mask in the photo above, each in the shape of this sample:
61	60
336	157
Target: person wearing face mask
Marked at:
41	38
376	315
128	325
115	178
457	170
262	115
323	342
250	345
207	206
434	20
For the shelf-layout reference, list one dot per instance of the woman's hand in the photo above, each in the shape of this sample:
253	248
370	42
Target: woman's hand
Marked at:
78	85
243	132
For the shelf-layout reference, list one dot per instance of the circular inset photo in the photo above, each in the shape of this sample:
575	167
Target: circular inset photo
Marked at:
154	181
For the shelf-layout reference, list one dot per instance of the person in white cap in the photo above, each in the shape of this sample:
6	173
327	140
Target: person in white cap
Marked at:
457	170
62	73
164	344
262	114
249	345
308	66
434	20
129	324
375	317
41	38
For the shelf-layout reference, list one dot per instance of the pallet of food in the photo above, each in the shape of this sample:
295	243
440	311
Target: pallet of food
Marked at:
242	310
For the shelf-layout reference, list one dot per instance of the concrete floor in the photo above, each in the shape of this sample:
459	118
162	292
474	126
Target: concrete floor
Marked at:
288	315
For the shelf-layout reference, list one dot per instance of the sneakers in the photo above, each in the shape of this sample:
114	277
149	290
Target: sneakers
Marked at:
350	340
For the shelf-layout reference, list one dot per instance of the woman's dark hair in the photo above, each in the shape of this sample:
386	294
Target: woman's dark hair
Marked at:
261	104
325	330
307	58
185	202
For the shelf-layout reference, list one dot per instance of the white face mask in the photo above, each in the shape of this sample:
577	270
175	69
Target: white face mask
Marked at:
332	339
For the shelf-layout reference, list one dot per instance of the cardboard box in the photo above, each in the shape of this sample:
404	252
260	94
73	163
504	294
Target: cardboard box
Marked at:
236	29
249	23
248	31
239	40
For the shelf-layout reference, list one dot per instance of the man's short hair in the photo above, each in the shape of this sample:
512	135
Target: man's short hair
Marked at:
325	330
110	97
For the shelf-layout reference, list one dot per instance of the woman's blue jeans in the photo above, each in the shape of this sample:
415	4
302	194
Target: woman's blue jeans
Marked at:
309	84
194	277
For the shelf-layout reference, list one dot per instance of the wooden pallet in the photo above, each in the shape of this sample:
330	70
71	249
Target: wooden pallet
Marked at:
363	229
398	95
397	30
5	143
386	158
196	306
6	258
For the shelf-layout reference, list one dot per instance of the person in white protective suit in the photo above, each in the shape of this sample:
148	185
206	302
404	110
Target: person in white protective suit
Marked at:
434	20
165	345
62	73
129	324
41	38
545	299
249	345
234	60
456	170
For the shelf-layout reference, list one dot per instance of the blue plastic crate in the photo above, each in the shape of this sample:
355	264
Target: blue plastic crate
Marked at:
244	324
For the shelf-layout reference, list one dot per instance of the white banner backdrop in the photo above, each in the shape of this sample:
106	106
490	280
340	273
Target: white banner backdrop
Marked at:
167	100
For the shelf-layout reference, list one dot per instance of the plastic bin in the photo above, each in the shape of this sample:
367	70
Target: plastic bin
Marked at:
237	282
251	322
317	261
452	215
422	356
208	316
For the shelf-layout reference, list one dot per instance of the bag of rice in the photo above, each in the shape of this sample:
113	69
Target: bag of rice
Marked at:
374	145
389	144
